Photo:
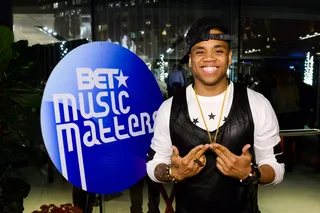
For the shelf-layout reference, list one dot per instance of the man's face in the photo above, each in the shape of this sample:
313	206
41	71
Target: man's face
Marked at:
209	60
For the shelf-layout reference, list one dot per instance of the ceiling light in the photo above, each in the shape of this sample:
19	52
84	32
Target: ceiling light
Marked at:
164	32
309	36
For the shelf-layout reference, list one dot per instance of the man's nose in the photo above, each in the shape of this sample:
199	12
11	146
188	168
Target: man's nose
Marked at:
210	57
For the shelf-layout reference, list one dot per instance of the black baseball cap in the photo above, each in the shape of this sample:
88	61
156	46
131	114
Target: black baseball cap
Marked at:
200	31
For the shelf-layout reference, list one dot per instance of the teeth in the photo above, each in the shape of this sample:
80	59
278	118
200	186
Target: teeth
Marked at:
209	69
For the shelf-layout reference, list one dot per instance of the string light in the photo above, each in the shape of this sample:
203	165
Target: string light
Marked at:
253	51
64	50
308	70
309	36
162	64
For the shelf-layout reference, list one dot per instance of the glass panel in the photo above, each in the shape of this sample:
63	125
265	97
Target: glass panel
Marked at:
279	58
279	49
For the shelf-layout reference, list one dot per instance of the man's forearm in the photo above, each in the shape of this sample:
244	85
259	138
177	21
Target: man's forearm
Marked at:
267	174
160	172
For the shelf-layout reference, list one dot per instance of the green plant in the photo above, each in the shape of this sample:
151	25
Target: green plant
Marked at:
20	132
6	40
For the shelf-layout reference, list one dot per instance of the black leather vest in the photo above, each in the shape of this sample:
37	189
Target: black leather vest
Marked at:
210	191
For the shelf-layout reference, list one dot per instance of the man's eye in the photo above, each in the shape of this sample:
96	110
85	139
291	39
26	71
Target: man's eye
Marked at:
219	51
199	52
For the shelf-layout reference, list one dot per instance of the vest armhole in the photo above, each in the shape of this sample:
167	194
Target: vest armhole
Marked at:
178	100
241	92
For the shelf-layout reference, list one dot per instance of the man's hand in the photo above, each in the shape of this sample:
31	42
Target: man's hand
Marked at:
232	165
187	166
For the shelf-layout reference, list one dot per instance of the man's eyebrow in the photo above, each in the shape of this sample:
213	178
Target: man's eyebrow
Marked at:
199	48
215	46
219	46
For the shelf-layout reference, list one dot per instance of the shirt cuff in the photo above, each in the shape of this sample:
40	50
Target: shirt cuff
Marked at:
278	170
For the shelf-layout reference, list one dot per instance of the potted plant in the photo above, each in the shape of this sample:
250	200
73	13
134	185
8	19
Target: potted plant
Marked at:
19	115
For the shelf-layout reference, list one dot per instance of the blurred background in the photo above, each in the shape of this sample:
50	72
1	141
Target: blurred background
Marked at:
277	53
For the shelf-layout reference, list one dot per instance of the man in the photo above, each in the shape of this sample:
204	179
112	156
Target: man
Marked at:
175	79
215	169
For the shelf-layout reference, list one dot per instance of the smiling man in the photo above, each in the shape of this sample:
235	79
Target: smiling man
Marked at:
216	140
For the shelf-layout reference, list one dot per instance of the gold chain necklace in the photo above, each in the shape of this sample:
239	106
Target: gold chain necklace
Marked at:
204	121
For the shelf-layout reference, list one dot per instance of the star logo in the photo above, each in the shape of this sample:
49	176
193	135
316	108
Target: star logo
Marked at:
224	119
211	116
195	121
122	79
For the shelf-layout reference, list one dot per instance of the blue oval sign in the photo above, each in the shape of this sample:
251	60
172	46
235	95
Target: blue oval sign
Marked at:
97	117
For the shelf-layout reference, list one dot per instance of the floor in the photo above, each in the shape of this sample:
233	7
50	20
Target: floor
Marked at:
298	193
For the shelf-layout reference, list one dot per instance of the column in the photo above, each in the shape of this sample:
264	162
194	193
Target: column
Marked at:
6	14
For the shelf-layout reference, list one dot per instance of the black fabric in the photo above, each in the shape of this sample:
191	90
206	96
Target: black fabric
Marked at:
150	154
279	153
210	191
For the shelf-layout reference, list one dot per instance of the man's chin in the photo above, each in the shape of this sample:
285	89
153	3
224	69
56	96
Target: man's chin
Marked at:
211	82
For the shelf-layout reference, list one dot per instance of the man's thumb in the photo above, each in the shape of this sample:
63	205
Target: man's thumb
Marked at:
175	151
245	149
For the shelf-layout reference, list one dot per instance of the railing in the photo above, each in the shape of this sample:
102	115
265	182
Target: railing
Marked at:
299	132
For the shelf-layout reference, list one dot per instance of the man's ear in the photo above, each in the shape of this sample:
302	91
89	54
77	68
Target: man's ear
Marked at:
190	64
230	57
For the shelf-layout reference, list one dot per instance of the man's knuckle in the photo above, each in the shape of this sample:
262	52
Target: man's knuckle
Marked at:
190	167
234	160
184	162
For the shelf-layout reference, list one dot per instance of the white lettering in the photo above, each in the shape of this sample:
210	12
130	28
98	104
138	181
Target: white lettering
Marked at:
82	105
127	109
92	133
110	73
113	104
68	127
92	112
102	104
118	128
133	121
85	78
65	99
104	131
147	122
88	79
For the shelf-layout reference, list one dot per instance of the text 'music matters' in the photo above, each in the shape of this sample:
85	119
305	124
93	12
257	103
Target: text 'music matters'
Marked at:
97	117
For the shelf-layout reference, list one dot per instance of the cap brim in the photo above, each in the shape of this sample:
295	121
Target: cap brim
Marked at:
185	59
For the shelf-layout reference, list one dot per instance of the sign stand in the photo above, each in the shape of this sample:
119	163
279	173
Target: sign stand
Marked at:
101	203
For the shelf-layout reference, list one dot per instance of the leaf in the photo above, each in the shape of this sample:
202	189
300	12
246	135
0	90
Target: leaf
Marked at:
23	95
6	40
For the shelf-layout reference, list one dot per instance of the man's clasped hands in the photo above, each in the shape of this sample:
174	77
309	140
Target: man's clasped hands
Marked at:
228	163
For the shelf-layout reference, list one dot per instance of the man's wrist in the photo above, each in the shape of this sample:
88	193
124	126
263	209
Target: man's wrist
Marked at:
248	173
166	173
253	177
160	172
174	175
170	174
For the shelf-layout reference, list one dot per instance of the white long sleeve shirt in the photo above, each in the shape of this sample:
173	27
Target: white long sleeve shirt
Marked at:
266	128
